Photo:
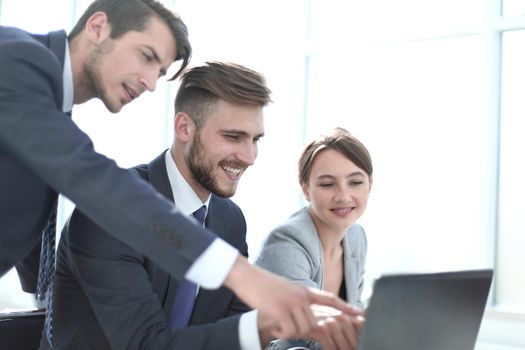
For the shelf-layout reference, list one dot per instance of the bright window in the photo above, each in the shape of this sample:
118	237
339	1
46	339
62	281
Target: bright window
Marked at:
511	234
420	115
513	8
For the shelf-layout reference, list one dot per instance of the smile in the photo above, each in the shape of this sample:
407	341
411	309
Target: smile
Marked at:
342	211
230	170
131	94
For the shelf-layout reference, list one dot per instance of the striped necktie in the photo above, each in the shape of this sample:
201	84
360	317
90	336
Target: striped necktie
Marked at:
46	272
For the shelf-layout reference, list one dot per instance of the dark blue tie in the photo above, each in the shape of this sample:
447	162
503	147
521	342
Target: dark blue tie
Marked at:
46	272
185	296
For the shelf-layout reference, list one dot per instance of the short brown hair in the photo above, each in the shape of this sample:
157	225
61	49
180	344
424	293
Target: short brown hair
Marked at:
134	15
339	140
202	86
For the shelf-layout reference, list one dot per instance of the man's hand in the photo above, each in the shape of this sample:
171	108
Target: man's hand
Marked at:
336	330
287	304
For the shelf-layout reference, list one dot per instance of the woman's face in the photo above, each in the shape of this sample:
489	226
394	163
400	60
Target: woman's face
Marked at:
337	190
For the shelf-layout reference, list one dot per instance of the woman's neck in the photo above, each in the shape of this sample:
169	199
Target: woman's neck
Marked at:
330	237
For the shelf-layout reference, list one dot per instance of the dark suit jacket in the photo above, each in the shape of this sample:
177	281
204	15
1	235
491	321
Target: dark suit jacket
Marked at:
43	152
110	296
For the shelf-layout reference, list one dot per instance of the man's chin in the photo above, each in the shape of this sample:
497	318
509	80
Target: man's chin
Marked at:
112	106
222	192
227	193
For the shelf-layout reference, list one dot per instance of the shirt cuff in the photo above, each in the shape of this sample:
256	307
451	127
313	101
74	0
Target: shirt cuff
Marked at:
248	331
210	269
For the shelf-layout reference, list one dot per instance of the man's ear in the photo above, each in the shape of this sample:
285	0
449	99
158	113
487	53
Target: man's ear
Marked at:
184	127
98	27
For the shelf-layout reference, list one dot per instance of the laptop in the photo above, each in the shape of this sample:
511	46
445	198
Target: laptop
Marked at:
434	311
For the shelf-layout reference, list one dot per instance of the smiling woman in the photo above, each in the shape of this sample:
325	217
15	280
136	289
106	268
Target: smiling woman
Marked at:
335	174
321	246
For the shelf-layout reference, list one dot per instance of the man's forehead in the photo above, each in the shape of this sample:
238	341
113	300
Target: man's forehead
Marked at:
157	35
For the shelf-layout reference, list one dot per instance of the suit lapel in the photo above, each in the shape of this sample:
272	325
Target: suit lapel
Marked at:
208	301
351	271
214	220
158	176
56	43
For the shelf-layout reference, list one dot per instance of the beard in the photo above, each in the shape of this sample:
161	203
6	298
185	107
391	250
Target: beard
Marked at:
202	170
93	75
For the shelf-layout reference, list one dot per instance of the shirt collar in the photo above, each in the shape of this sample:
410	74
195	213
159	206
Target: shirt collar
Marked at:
186	200
67	80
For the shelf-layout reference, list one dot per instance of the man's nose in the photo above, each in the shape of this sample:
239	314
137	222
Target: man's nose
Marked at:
248	153
149	80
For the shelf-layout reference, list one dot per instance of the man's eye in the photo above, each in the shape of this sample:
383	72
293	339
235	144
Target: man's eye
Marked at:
147	56
356	183
232	137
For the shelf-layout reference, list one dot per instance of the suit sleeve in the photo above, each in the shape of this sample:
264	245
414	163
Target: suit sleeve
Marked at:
35	131
120	292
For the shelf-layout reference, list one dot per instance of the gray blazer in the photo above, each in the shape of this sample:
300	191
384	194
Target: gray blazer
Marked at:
109	296
294	250
43	152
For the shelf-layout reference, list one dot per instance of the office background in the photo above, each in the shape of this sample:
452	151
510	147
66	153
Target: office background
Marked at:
434	88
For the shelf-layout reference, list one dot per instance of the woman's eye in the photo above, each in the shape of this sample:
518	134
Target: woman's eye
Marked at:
326	185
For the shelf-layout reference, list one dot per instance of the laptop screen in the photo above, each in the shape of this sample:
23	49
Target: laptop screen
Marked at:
436	311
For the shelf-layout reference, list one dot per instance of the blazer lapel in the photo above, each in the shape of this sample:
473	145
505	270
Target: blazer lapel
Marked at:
56	42
351	272
158	176
211	303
